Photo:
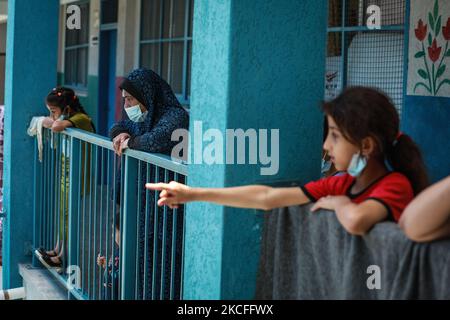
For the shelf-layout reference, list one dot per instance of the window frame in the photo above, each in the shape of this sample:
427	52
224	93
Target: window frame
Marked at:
343	31
78	87
187	41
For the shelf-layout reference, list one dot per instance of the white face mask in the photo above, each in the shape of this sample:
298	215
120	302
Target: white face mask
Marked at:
135	114
357	165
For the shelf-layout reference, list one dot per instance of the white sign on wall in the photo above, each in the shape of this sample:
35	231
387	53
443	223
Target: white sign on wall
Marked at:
429	48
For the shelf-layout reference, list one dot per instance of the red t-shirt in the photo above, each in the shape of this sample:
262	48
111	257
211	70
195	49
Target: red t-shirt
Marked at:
392	190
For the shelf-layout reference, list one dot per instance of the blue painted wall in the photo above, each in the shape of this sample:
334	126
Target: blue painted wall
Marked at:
427	121
255	65
30	73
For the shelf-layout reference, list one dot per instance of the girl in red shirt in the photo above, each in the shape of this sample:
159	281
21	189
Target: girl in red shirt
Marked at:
364	141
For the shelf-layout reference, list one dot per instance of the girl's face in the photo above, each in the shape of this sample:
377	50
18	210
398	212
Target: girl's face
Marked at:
55	112
339	149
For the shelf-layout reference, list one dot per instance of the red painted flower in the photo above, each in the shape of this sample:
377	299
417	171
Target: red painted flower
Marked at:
446	30
421	31
434	51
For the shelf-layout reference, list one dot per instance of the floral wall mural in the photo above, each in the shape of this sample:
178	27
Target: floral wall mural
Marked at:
429	52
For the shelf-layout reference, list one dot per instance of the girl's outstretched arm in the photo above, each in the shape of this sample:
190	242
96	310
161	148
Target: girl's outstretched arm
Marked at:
427	217
252	196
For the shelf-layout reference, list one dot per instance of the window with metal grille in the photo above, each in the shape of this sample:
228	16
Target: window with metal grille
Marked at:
166	42
76	51
358	55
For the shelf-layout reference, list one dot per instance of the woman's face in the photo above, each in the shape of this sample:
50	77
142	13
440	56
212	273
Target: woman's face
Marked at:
131	101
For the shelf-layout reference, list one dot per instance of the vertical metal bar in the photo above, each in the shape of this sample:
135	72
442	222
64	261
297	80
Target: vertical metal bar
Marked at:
123	195
170	43
58	191
146	243
138	232
344	46
81	194
102	222
94	253
185	49
52	192
174	248
155	235
87	192
90	224
129	229
43	195
74	195
37	213
83	237
108	234
45	202
51	205
163	245
161	30
64	159
182	248
48	200
113	285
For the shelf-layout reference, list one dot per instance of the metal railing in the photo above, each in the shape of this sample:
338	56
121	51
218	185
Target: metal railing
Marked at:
90	203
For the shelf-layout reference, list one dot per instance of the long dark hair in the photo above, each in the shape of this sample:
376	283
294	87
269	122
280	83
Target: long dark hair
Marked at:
62	97
362	112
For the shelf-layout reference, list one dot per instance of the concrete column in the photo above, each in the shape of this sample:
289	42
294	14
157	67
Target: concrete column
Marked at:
256	65
31	60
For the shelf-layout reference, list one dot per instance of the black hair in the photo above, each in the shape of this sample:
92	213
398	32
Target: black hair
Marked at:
62	97
362	112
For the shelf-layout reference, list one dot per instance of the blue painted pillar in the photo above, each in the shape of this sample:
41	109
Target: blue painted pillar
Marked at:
256	65
426	120
31	59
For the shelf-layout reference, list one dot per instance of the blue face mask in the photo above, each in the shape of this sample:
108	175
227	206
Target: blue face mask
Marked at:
357	165
135	114
64	115
326	165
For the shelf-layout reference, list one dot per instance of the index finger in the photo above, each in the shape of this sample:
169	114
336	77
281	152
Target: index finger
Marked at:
157	186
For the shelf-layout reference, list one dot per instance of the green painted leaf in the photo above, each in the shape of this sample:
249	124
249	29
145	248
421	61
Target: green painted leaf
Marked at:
430	39
446	81
423	85
420	54
423	74
441	71
448	53
431	21
436	9
438	26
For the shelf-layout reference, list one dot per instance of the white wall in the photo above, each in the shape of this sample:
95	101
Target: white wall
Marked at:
127	36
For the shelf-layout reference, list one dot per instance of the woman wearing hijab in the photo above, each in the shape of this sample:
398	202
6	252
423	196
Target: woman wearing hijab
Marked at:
153	114
153	111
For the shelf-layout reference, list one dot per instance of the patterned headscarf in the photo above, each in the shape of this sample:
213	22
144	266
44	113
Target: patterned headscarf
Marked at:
151	90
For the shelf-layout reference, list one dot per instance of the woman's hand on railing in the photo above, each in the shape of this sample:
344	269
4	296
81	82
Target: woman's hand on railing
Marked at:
118	143
172	194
